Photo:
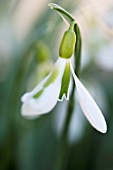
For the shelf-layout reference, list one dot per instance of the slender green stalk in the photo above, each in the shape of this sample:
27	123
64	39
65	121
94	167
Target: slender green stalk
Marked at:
62	11
70	19
63	150
77	52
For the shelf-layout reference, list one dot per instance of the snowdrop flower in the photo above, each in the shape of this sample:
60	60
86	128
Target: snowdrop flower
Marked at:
55	87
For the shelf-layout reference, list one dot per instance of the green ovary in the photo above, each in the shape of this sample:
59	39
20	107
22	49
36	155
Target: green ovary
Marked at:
67	45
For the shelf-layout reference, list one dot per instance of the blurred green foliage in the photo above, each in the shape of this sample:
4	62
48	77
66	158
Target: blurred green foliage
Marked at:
33	144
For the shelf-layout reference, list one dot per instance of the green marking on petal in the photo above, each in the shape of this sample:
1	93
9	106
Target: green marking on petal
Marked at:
37	95
65	81
52	77
50	80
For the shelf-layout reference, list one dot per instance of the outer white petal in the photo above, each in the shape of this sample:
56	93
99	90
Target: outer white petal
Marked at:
33	107
89	107
28	95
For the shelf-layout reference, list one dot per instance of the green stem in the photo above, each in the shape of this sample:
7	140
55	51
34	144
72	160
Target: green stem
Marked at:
77	52
63	150
62	11
70	20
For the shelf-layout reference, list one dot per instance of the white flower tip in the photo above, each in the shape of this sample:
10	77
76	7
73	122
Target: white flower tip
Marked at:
29	111
103	128
25	97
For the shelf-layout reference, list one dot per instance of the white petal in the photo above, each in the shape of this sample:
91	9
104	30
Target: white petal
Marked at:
47	100
89	107
28	95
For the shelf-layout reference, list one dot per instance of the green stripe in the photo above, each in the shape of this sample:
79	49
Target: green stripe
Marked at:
65	81
37	95
50	80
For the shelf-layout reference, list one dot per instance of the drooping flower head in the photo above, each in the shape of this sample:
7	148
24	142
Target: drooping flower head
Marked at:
55	87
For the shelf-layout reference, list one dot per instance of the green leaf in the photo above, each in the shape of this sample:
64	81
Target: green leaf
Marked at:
65	81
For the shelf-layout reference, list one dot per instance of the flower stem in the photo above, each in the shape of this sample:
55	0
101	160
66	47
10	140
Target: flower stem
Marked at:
70	19
63	150
77	52
62	11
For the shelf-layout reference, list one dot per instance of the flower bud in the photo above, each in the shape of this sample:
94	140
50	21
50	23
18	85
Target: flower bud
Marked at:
68	43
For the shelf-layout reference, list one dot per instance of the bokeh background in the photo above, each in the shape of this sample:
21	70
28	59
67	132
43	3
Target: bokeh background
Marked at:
30	34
